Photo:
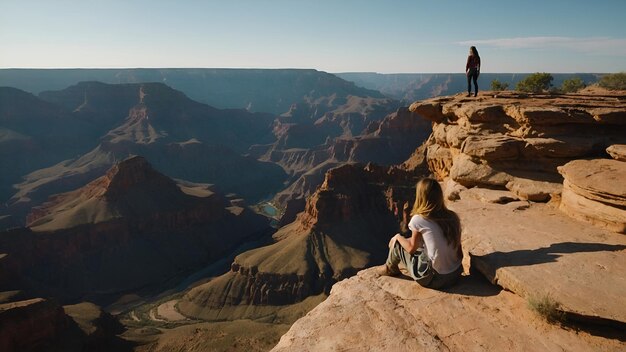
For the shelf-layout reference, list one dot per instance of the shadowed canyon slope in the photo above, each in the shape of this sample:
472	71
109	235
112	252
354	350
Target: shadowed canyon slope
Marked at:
43	325
129	229
34	133
193	141
385	142
183	138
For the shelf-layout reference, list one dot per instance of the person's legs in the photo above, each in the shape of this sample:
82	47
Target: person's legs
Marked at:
397	255
469	83
475	78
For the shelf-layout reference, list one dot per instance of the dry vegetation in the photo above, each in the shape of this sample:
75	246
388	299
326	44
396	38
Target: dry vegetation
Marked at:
547	307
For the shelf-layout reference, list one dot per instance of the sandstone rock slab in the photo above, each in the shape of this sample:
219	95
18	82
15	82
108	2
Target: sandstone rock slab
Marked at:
596	213
486	195
452	189
428	110
617	151
561	147
469	173
439	159
595	191
536	191
455	135
372	313
492	147
599	179
535	250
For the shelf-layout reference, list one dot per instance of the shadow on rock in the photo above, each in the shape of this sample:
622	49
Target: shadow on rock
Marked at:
473	285
542	255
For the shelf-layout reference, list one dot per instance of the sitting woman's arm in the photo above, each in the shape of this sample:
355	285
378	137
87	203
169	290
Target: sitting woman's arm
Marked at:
409	244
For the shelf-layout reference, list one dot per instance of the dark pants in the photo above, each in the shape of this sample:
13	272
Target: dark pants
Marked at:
472	75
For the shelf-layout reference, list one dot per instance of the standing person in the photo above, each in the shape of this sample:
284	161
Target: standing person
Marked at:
433	254
472	70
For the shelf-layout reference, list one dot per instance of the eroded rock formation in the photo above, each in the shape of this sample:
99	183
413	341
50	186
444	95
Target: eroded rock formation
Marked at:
595	191
516	141
385	142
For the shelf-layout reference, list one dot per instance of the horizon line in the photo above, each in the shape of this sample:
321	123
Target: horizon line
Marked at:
284	69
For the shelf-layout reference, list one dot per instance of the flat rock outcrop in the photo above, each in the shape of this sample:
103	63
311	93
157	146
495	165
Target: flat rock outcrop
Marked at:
513	140
534	250
371	313
595	191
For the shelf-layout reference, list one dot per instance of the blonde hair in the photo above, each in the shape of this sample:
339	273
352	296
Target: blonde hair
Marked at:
430	205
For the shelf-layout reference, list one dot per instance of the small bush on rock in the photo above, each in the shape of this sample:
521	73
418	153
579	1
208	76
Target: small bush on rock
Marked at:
499	86
547	307
615	81
535	83
572	85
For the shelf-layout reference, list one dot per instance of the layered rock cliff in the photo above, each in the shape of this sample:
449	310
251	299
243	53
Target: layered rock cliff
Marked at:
595	191
515	141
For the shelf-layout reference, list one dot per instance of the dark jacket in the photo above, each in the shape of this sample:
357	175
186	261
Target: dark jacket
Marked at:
473	62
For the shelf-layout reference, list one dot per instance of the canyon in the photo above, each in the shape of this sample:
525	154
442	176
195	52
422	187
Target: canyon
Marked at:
148	241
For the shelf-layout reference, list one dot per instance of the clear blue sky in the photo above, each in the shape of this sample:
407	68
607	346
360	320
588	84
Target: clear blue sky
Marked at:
334	36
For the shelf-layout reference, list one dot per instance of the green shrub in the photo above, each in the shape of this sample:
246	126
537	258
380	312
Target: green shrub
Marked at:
615	81
498	86
547	308
535	83
572	85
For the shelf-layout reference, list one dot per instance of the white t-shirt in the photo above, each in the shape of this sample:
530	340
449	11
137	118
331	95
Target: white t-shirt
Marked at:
443	256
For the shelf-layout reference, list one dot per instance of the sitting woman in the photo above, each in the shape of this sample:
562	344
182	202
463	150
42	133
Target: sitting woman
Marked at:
433	254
